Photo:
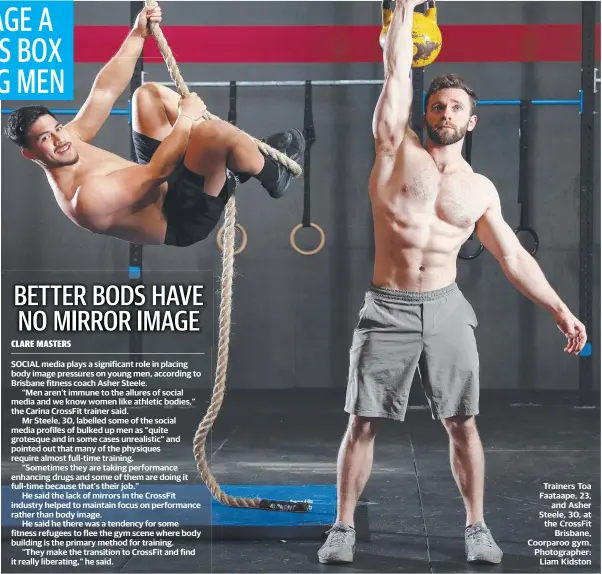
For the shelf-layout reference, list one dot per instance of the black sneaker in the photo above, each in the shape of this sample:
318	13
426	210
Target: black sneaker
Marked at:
292	144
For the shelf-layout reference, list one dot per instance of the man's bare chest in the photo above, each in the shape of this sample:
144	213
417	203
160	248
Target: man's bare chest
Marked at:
455	199
97	161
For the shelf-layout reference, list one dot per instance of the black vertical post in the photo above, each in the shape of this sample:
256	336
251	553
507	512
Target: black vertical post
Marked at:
135	269
586	194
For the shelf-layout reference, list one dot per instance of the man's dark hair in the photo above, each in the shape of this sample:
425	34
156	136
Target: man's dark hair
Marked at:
446	81
20	121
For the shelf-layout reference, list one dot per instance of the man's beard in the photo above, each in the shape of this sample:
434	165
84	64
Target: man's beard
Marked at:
446	137
62	162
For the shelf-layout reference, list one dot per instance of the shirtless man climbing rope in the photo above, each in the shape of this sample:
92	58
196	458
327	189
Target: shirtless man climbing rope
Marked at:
187	166
426	204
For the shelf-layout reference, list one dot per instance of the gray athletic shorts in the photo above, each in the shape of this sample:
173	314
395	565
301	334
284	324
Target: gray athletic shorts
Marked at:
399	331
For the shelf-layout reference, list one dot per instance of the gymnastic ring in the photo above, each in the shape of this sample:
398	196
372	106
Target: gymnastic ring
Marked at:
472	255
243	242
313	251
532	233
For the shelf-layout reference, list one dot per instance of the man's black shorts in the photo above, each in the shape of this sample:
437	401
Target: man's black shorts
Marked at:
190	213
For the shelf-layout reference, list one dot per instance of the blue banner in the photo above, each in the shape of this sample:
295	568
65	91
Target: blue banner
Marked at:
36	50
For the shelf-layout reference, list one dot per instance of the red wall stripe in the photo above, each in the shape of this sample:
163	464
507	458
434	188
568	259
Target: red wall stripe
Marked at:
329	44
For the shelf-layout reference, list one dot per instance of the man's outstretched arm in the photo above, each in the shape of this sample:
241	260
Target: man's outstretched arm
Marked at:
393	108
523	271
113	78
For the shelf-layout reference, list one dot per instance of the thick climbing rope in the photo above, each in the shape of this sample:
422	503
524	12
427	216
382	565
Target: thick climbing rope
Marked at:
182	88
225	311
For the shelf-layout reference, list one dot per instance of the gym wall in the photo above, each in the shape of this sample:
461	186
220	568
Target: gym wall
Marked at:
297	313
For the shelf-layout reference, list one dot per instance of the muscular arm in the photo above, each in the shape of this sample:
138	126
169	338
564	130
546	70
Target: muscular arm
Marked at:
524	272
518	265
393	108
172	148
100	201
108	85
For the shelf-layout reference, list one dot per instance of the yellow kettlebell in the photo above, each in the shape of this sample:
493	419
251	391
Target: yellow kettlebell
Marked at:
426	35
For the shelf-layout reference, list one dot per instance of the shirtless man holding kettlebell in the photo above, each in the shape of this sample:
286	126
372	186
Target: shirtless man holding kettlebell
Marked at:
426	202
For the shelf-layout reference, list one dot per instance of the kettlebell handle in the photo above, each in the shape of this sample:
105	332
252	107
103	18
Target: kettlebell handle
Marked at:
387	11
431	11
387	6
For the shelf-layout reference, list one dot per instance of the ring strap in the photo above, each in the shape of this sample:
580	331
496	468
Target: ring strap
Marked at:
468	157
232	110
309	133
468	148
523	164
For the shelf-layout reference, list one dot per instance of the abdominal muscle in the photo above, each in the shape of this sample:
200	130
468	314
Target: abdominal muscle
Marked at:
416	256
147	226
